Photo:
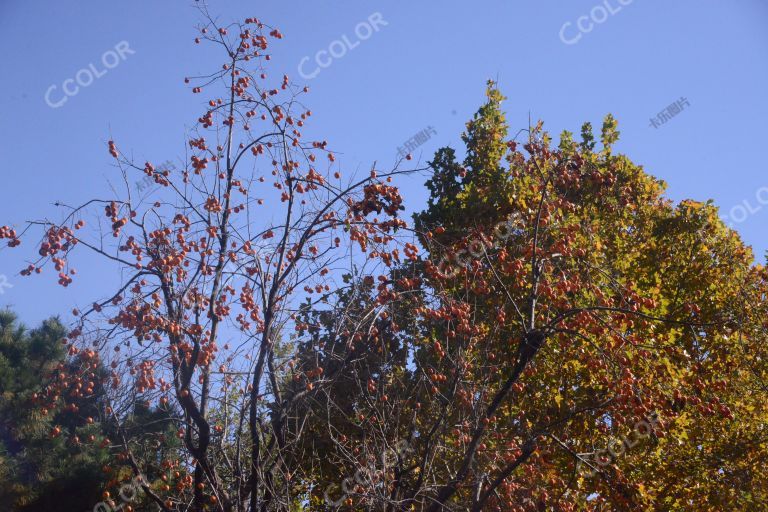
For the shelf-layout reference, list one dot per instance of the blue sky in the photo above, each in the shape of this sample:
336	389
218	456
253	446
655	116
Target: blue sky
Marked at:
424	66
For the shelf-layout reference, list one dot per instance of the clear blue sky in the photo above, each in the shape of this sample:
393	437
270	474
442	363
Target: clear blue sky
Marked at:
426	67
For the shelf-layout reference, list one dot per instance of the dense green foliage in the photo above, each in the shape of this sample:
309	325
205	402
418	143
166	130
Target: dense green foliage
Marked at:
39	471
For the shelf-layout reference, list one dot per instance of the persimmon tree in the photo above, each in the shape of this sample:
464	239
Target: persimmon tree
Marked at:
566	339
255	226
575	342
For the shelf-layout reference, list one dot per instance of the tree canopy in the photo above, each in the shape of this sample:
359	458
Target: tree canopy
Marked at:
579	342
551	332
